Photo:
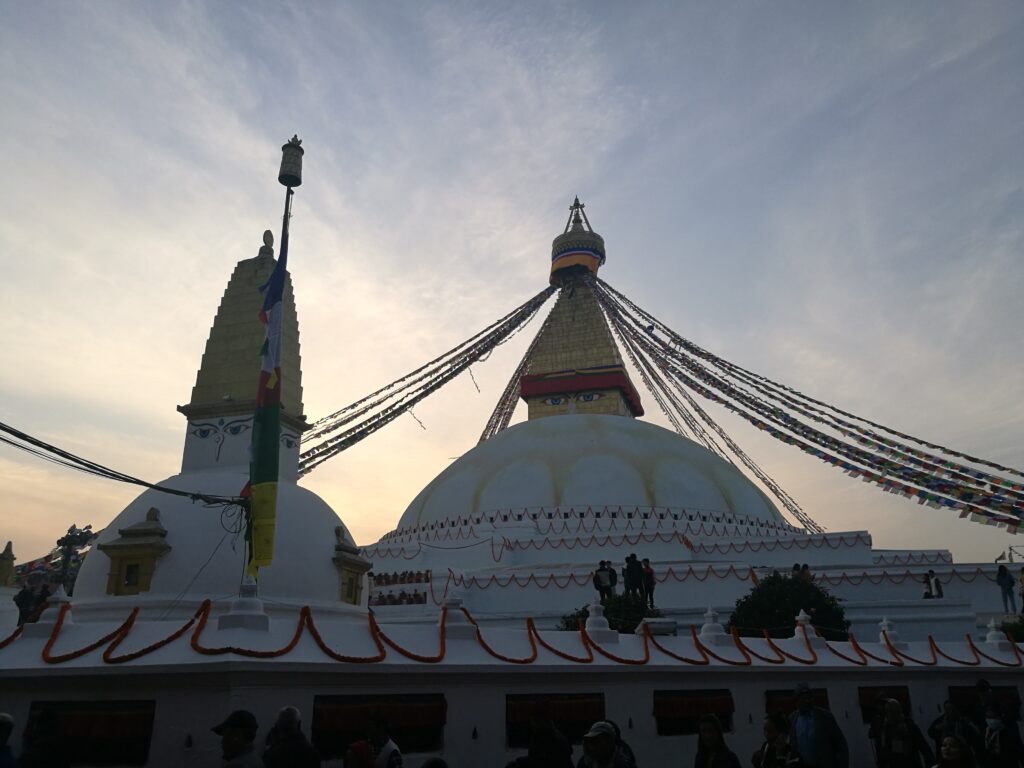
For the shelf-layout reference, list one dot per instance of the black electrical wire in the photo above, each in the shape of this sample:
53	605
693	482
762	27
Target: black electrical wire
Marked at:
41	449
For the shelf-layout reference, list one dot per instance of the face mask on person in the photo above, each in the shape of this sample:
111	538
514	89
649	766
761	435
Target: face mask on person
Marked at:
994	723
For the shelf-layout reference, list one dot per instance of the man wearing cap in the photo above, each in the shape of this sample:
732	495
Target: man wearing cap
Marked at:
237	735
600	749
814	734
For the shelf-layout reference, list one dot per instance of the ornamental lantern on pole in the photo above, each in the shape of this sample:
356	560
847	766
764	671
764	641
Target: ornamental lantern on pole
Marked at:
291	163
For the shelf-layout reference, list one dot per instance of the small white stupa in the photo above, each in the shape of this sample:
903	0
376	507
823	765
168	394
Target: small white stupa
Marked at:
168	553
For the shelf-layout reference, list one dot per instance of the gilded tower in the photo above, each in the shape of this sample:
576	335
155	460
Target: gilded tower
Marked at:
575	366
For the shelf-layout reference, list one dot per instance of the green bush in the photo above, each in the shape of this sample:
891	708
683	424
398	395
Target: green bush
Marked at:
1015	629
623	614
775	602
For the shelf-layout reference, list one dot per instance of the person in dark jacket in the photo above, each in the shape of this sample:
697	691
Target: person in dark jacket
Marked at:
632	577
238	740
1006	585
600	749
814	734
603	580
624	748
26	602
954	723
774	753
712	751
287	746
1001	739
648	583
897	740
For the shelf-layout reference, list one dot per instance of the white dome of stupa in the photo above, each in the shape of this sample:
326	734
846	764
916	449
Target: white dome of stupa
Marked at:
207	549
587	460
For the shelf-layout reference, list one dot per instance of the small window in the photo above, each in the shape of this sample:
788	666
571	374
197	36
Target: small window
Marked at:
96	733
131	575
572	713
870	698
677	713
784	702
416	721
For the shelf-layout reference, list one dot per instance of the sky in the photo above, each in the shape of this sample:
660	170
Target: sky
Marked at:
829	194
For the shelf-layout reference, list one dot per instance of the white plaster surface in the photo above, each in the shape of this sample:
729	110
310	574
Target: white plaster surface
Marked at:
587	460
207	561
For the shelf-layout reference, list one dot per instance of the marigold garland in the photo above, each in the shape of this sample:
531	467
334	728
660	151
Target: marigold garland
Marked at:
702	662
591	643
49	658
897	653
704	649
411	654
746	650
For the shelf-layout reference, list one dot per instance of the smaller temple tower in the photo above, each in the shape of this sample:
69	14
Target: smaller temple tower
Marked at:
575	366
223	400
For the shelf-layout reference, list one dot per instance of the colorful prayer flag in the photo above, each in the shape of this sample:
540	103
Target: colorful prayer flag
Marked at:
266	426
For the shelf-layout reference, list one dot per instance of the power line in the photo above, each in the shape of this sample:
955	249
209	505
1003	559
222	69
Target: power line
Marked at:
44	450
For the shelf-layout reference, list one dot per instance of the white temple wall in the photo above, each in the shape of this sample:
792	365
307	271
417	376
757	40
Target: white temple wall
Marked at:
194	698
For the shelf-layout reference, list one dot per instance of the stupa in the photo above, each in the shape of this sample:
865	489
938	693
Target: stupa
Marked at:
517	525
164	635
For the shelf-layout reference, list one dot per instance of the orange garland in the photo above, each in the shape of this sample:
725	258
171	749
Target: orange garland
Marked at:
861	662
895	661
330	653
703	661
116	637
900	655
935	649
979	652
532	628
204	617
707	651
12	637
589	642
747	650
500	656
108	654
787	654
60	658
375	628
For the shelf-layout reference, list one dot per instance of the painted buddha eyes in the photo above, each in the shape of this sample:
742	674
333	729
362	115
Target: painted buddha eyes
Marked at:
206	430
289	441
582	397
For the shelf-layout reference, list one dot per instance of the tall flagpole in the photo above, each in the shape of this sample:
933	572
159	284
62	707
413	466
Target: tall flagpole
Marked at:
264	469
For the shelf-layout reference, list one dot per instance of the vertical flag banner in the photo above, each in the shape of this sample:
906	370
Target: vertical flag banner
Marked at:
266	427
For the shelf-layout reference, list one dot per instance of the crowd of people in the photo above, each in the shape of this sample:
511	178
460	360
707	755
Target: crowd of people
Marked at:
285	744
809	737
638	580
398	577
402	598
